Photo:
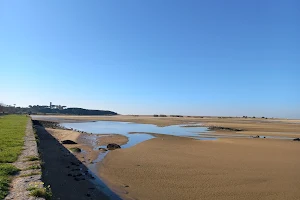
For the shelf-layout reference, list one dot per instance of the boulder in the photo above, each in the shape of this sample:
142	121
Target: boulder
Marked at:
256	136
68	142
296	139
113	146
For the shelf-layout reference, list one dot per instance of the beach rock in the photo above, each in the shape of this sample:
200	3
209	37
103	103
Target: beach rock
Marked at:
296	139
68	142
113	146
75	150
102	149
256	136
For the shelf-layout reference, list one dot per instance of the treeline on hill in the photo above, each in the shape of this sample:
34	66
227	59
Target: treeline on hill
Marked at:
45	110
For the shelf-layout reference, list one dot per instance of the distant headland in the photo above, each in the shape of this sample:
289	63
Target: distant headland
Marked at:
52	109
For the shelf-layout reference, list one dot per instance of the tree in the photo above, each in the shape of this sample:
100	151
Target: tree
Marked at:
2	107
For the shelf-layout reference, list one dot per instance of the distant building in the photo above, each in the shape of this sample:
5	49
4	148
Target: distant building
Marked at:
59	107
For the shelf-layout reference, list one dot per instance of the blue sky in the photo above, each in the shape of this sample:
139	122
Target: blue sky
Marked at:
144	57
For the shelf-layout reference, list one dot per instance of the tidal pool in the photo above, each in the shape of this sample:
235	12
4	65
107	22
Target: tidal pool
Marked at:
137	133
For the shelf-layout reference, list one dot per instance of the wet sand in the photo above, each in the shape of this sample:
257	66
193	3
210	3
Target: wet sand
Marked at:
86	142
172	168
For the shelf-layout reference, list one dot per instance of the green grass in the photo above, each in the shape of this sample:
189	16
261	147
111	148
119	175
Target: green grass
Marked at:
12	131
6	170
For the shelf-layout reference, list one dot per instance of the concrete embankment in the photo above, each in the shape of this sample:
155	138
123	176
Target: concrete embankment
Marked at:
69	178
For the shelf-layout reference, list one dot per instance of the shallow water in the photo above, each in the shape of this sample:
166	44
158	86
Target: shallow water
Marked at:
142	132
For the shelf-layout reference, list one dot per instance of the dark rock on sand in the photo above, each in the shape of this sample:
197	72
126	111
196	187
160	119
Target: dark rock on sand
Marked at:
68	142
113	146
296	139
256	136
214	128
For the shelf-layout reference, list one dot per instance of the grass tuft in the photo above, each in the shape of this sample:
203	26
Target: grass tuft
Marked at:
32	158
33	167
44	192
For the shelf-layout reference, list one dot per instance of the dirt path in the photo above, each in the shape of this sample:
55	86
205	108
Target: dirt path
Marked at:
68	177
24	179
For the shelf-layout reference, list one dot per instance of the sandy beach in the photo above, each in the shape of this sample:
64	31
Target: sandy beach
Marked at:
169	167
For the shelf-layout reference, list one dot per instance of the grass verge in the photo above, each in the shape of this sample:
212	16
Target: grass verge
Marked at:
12	131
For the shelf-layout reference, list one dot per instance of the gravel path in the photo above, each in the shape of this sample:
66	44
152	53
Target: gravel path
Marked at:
25	178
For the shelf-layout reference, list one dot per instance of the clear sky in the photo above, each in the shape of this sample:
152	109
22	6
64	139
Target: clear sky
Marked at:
210	57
